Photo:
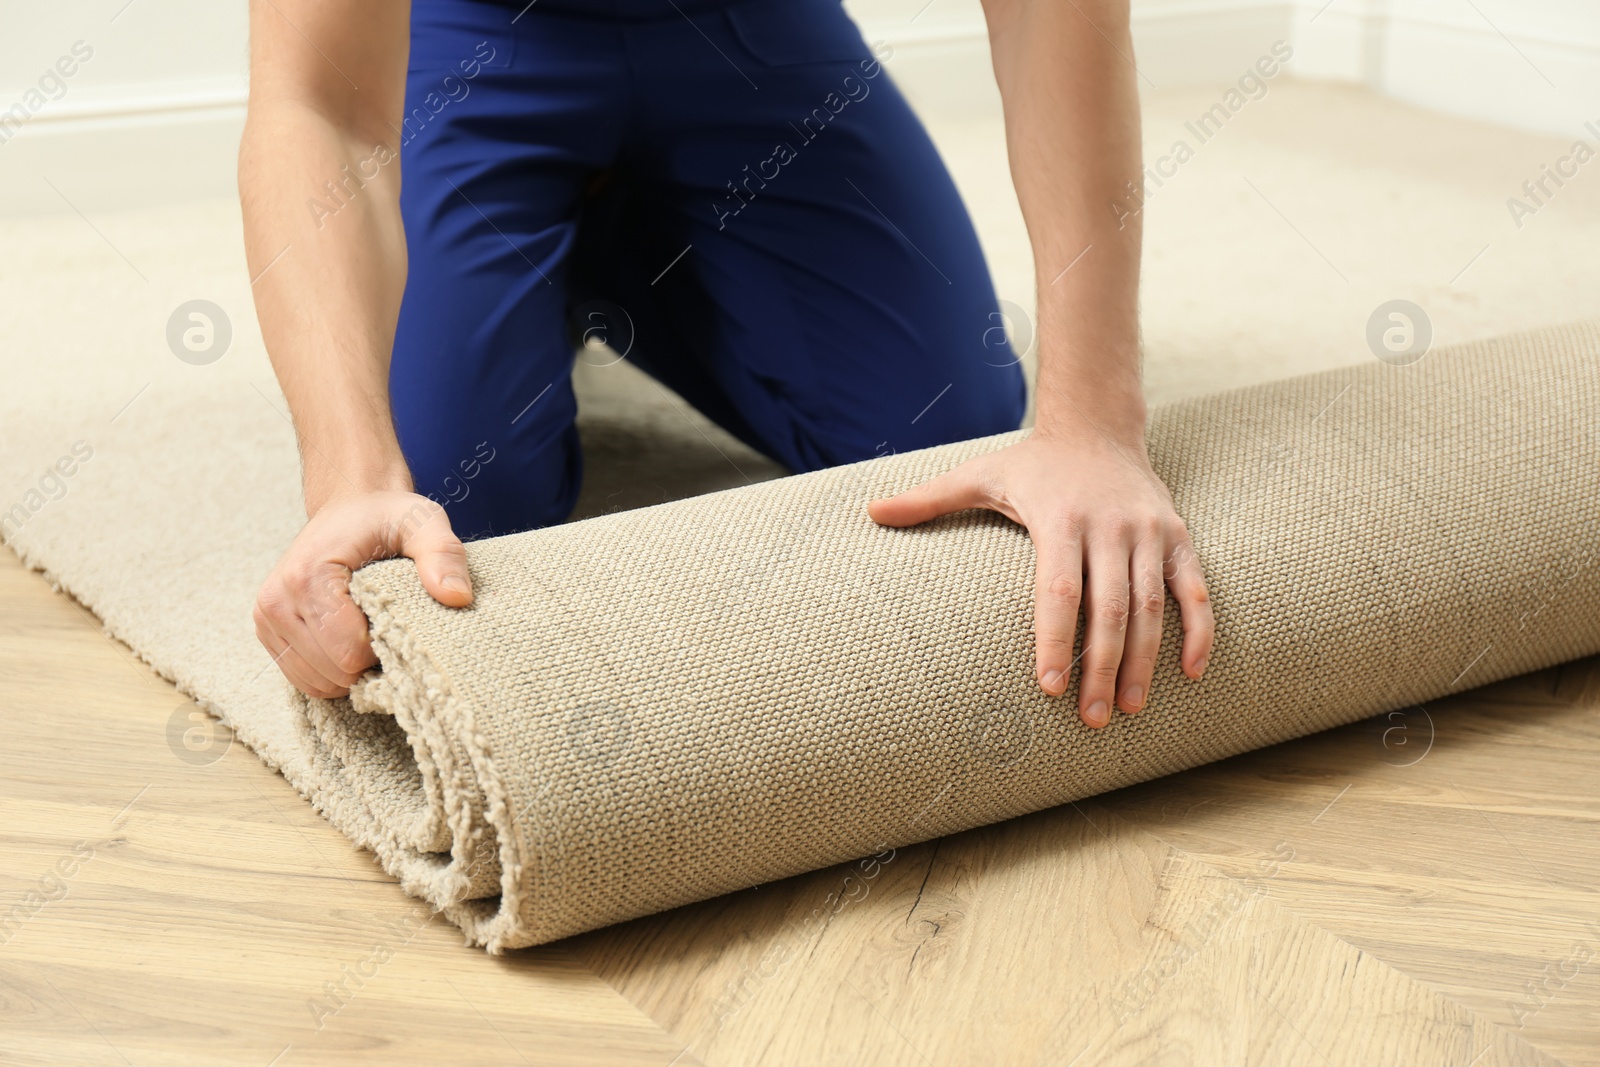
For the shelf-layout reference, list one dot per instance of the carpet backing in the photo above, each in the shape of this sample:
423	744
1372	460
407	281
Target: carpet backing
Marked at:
657	706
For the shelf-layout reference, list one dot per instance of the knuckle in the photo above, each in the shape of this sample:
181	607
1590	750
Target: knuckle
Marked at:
1149	599
351	663
1065	586
1116	527
323	597
1112	610
272	604
1066	525
327	574
297	584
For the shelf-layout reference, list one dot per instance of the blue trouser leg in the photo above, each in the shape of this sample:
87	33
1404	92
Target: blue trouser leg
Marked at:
493	165
787	245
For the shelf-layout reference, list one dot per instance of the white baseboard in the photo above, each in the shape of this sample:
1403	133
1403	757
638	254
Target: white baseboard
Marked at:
1520	69
124	152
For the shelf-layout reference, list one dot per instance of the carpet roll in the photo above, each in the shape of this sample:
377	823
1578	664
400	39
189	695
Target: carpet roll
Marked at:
658	706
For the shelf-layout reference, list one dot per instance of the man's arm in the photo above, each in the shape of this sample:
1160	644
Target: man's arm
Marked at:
1103	525
327	86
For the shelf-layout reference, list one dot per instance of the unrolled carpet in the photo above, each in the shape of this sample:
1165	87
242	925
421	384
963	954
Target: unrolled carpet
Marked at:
654	707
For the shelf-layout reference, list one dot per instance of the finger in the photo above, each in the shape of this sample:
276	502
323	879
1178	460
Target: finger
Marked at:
311	642
1149	597
332	632
296	611
955	490
1187	580
1105	618
424	535
1057	593
307	679
294	667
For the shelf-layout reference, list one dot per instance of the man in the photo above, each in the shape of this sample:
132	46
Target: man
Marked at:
742	179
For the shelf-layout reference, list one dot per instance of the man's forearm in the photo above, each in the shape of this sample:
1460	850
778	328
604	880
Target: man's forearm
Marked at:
1072	123
328	291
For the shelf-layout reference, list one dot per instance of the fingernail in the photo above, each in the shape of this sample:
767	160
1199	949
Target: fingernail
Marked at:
1200	668
1098	714
1134	697
455	583
1052	682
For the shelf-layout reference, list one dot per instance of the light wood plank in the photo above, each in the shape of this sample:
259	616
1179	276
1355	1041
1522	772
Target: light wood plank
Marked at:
1288	901
215	906
1471	868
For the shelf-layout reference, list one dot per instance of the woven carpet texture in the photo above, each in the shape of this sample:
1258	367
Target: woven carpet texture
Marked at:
657	706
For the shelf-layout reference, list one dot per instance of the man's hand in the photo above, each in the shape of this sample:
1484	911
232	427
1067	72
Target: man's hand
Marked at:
1106	537
1102	524
327	294
304	615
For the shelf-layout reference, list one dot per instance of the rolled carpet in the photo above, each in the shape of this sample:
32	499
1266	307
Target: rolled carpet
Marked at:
658	706
654	707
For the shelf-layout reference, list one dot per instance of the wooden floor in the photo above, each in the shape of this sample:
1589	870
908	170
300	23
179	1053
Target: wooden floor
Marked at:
1418	889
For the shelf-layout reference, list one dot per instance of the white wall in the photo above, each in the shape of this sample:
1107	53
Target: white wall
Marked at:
154	114
1533	64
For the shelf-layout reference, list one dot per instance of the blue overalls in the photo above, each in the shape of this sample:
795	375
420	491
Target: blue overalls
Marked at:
733	192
